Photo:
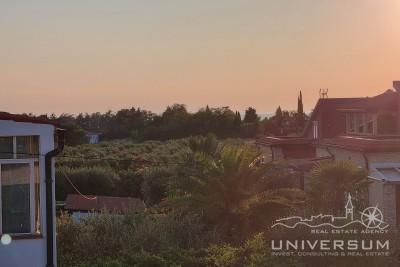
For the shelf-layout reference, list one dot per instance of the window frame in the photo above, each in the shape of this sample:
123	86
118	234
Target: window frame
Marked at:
32	193
355	120
31	160
315	129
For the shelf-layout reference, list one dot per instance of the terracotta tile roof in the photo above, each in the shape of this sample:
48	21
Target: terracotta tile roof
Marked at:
119	204
386	101
365	143
26	118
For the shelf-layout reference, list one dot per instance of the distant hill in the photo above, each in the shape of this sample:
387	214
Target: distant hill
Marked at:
266	115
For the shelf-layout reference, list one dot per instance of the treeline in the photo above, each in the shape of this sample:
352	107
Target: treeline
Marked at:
177	122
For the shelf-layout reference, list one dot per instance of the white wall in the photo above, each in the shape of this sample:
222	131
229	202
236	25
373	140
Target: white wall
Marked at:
30	252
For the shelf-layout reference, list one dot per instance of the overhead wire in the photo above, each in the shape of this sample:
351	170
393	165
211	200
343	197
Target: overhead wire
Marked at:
76	188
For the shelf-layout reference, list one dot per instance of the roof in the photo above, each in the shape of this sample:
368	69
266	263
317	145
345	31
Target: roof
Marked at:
365	143
93	133
385	101
385	172
26	118
329	112
99	203
329	106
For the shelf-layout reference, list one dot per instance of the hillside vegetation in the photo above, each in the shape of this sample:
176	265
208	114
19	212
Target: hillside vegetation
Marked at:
119	167
209	203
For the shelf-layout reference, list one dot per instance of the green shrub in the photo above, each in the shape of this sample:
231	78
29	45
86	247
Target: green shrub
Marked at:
90	180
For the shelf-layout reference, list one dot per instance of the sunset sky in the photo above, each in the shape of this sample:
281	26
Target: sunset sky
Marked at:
93	55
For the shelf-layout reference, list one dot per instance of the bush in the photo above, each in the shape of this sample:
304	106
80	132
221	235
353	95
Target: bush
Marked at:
155	183
129	184
90	180
115	236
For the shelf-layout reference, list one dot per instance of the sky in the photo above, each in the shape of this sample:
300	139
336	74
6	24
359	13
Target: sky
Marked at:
97	55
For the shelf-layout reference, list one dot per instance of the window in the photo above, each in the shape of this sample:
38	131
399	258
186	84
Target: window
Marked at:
19	147
315	130
352	123
369	121
359	123
6	147
26	146
19	185
15	197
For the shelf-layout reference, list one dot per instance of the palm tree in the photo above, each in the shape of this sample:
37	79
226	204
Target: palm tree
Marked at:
231	192
330	182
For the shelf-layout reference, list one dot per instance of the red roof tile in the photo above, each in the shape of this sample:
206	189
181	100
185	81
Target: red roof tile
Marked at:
386	101
365	143
26	118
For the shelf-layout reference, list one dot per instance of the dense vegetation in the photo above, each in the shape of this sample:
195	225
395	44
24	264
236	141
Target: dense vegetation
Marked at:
210	203
123	167
118	168
176	122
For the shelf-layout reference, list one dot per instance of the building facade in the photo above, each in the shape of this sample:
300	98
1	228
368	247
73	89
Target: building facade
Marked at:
27	200
363	130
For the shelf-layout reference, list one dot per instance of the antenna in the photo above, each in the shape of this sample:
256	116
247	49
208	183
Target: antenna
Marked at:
323	93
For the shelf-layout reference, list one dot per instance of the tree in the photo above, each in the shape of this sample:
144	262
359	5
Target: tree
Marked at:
300	104
238	120
74	135
336	180
205	144
251	115
230	191
90	181
279	119
300	116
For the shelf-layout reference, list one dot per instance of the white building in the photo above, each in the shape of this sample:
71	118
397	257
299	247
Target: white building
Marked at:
27	200
93	137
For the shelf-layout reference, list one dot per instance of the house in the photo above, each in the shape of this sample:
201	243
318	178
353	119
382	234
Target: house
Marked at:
83	206
93	137
27	200
364	130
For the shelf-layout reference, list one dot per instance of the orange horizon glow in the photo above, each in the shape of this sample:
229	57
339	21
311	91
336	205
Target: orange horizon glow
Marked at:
88	56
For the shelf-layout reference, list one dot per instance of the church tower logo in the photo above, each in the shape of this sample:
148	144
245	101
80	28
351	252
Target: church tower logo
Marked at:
371	218
349	208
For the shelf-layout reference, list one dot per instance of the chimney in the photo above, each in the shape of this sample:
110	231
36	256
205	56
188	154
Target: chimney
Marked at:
396	85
